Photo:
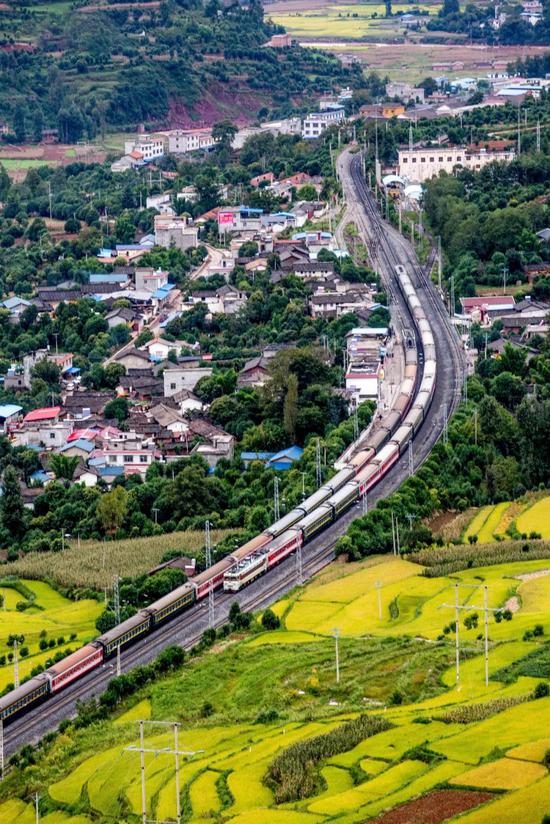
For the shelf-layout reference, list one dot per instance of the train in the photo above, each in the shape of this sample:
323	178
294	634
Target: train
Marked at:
369	462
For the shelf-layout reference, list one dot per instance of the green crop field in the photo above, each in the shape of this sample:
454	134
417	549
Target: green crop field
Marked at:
528	515
47	617
94	564
464	736
348	22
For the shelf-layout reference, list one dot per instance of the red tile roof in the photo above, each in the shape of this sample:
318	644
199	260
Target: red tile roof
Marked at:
48	413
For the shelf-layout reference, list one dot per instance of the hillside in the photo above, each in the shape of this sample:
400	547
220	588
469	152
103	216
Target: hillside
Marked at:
84	69
414	741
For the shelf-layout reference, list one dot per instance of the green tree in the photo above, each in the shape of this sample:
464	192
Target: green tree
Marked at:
291	406
112	509
223	133
117	409
63	466
19	126
12	510
37	124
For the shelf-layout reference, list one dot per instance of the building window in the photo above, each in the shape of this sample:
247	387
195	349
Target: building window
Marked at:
52	435
449	160
422	159
405	160
128	459
112	458
172	386
432	159
440	159
414	159
143	458
458	160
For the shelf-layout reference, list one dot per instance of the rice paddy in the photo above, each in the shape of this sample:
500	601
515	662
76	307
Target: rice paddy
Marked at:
291	672
524	517
47	617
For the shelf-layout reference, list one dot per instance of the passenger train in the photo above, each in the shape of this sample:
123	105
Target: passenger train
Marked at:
372	458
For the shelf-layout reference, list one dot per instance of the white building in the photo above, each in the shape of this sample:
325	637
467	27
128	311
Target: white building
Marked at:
182	141
316	123
422	164
151	146
174	231
149	280
177	378
405	92
362	379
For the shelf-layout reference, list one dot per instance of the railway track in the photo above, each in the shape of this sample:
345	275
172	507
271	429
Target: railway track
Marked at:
187	628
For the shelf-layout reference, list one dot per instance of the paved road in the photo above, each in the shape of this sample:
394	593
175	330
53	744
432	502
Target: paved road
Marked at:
187	628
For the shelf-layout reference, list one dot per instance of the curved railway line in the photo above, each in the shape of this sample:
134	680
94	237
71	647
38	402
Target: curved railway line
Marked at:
379	459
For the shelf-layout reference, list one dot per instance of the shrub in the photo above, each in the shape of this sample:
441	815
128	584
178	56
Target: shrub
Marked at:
207	709
43	644
270	620
267	716
542	690
538	630
396	698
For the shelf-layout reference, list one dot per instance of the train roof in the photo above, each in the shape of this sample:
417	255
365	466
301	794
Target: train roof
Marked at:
286	522
343	493
74	658
166	600
313	517
251	546
313	501
20	692
280	540
215	569
125	626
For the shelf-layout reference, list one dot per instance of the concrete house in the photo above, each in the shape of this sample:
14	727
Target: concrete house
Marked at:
178	377
254	372
133	359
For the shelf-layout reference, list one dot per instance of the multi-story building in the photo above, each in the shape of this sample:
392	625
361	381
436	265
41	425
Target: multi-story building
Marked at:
151	146
405	92
316	123
181	141
422	164
174	231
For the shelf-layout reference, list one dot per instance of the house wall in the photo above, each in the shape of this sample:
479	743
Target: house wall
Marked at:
177	379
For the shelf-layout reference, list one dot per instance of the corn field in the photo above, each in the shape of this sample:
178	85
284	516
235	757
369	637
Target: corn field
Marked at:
472	713
456	558
95	564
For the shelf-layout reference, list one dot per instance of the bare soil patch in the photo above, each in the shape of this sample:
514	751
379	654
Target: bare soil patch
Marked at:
434	808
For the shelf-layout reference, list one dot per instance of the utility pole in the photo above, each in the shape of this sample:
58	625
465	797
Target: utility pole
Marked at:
36	810
1	750
303	486
355	425
393	535
445	425
276	507
118	667
175	751
50	197
475	426
365	503
208	554
155	514
411	460
538	135
504	276
116	596
465	387
15	664
400	218
519	131
439	263
299	566
410	136
486	610
336	634
379	590
318	472
453	301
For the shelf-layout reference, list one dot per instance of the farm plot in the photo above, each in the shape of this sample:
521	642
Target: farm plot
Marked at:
536	519
503	774
527	805
48	619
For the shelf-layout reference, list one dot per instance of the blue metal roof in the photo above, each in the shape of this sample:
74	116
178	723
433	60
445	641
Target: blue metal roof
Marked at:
108	277
11	303
40	476
256	456
9	409
80	443
292	453
163	291
110	470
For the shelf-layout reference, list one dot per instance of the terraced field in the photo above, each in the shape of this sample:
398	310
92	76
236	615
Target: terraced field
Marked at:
529	515
48	617
486	745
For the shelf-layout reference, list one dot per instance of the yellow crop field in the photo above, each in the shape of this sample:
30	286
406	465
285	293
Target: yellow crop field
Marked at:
505	730
534	751
527	805
203	794
535	594
276	817
487	532
536	518
503	774
247	789
283	638
477	523
351	586
377	787
69	789
142	710
16	811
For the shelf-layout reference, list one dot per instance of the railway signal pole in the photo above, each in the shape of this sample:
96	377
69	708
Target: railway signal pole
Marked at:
411	459
318	473
1	750
299	566
365	503
116	595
